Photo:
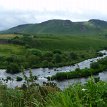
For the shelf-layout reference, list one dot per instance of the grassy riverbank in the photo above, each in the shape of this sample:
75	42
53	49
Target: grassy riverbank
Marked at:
90	94
94	69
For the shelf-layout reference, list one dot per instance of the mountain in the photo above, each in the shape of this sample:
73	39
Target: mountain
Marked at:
61	27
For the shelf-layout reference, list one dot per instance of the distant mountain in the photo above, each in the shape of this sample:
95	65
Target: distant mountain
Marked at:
61	27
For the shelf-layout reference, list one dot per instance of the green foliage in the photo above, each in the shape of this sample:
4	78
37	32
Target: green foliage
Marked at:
57	58
57	51
52	27
100	54
13	68
73	74
19	78
96	67
73	56
35	52
50	51
8	78
90	94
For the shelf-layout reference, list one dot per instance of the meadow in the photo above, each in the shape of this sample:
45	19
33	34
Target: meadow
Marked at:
33	51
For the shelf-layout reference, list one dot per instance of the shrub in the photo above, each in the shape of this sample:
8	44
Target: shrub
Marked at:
45	63
100	54
35	77
35	52
94	65
57	58
57	51
19	78
73	56
8	78
13	68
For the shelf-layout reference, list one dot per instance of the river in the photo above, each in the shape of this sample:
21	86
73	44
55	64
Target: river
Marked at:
42	73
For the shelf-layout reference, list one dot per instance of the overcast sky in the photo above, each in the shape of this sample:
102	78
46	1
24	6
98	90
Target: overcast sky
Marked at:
15	12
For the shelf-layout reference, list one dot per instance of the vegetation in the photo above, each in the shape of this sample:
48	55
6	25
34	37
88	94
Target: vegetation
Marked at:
47	51
54	43
13	68
51	27
91	94
33	51
19	78
95	68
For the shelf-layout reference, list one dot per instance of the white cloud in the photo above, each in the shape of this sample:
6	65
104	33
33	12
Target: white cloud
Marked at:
15	12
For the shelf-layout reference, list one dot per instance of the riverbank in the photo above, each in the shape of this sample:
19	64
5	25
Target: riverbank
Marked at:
95	68
78	95
43	73
46	51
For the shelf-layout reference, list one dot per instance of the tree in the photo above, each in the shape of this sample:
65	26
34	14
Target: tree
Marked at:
57	58
73	55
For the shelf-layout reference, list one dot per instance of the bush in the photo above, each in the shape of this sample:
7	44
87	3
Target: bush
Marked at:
57	51
47	56
19	78
73	56
78	73
13	68
8	78
100	54
57	58
45	63
35	77
35	52
94	65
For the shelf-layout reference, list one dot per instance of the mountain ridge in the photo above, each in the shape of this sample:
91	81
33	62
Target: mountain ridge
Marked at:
58	26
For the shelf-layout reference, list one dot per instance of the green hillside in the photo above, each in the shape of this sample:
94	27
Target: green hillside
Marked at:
56	26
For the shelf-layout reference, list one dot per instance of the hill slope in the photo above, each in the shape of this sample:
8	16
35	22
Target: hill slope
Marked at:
61	27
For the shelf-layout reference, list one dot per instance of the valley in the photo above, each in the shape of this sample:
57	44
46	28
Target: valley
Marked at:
53	61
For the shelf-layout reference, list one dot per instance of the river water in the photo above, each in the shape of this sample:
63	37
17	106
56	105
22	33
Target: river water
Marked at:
42	73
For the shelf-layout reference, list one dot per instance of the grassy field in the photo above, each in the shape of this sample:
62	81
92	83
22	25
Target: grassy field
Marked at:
72	43
7	36
10	49
65	42
40	50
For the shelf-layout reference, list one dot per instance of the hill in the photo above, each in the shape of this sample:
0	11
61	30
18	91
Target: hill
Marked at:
56	26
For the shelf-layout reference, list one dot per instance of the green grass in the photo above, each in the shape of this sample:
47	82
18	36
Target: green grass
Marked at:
91	94
83	47
65	42
10	49
74	43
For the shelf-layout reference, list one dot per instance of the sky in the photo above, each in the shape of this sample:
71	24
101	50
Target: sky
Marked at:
16	12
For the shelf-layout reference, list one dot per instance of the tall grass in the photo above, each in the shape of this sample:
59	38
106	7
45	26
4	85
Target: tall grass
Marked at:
91	94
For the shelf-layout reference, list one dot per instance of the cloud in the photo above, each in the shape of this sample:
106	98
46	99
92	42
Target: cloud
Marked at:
15	12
